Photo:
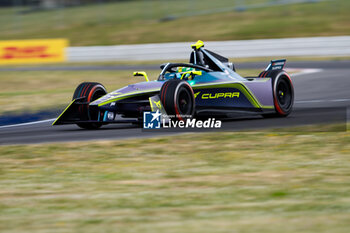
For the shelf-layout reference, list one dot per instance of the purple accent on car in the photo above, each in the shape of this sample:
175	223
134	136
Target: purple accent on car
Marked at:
144	86
262	91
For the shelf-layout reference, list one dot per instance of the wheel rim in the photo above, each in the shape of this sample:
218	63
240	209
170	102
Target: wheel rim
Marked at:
284	94
184	102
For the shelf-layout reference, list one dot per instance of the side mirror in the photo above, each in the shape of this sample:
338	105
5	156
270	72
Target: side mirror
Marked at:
231	66
141	73
192	73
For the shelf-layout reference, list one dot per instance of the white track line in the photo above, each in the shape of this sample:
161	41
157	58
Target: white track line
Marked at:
309	101
321	101
28	123
303	71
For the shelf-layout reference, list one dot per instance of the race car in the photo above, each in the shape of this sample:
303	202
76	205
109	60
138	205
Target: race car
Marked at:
207	86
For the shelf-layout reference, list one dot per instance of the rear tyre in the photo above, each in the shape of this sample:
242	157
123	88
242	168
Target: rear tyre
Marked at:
89	92
178	99
283	94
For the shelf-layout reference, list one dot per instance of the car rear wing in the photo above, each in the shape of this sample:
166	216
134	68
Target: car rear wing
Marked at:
276	65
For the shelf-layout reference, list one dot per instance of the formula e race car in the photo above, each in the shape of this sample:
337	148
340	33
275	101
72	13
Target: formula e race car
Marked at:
207	86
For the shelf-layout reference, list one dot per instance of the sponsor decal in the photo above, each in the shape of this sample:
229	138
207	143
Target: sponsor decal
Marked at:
32	51
196	94
220	95
278	65
158	104
26	52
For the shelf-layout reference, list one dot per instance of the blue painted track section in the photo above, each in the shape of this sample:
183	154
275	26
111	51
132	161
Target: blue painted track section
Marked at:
11	119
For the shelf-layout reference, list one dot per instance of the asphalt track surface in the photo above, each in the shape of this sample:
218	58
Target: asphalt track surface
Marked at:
322	96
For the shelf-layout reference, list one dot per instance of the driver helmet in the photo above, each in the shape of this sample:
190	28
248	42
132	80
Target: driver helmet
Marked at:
185	69
181	70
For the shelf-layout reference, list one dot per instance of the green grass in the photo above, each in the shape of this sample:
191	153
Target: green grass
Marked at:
31	91
218	182
138	22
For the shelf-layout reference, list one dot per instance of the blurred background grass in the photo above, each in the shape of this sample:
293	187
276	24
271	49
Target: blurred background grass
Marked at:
130	22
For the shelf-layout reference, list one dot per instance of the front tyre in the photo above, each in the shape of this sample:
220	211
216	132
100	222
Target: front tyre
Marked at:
178	99
89	92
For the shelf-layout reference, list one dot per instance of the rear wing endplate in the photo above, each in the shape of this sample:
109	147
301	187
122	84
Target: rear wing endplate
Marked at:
276	65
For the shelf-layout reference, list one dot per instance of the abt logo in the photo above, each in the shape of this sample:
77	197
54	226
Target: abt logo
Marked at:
151	120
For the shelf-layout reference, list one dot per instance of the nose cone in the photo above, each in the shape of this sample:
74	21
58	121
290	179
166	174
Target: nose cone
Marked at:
129	91
145	86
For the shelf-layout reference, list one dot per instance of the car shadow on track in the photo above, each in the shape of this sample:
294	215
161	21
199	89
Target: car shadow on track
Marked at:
240	122
105	127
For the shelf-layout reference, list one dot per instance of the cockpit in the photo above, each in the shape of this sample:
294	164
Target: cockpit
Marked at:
201	62
183	71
